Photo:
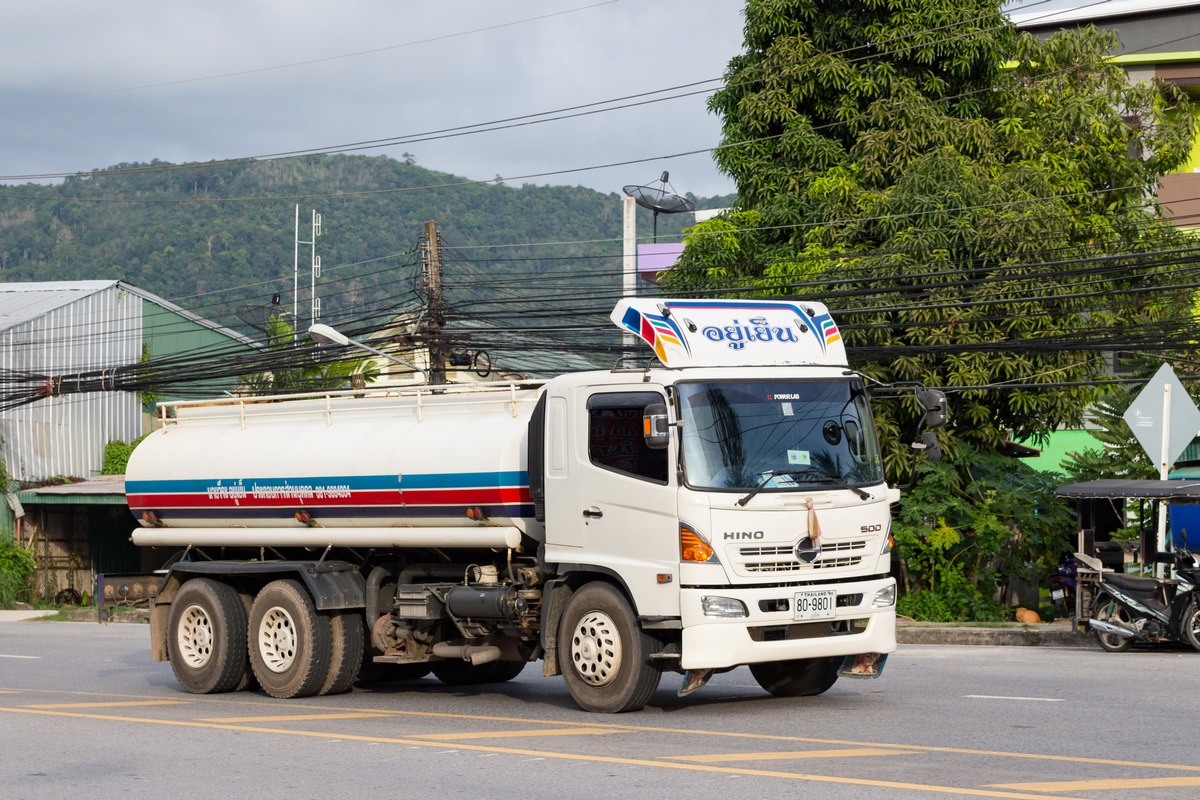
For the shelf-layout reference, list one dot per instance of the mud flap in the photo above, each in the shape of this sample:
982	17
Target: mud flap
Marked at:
693	679
863	665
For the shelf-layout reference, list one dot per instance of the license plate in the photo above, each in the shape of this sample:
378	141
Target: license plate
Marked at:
816	604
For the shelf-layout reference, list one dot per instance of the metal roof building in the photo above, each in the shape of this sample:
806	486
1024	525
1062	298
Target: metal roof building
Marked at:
66	327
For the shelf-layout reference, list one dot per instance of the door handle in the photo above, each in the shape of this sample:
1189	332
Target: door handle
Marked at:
593	513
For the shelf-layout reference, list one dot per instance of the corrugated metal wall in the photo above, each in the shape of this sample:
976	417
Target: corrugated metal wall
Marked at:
65	435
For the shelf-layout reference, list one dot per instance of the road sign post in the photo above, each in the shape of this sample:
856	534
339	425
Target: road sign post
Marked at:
1164	420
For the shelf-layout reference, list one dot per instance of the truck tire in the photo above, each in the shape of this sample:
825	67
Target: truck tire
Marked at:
604	654
462	673
346	632
802	677
206	637
290	643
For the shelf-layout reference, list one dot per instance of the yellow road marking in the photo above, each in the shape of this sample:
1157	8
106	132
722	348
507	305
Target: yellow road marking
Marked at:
113	705
844	753
957	791
301	717
446	737
1115	783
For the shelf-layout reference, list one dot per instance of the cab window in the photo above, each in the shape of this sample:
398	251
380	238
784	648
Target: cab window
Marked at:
615	436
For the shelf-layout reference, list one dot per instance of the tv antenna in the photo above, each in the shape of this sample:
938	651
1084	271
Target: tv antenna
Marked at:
660	199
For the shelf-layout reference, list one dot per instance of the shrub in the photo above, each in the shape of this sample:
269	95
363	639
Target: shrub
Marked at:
17	567
969	529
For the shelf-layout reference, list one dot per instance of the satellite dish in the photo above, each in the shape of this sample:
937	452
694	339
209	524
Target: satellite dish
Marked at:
660	199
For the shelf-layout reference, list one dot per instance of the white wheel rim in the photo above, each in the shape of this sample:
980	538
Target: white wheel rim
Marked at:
195	637
277	640
596	649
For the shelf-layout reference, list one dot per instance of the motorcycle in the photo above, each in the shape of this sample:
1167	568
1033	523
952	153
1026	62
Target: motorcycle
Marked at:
1062	588
1130	608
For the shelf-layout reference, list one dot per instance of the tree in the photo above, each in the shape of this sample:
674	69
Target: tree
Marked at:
299	376
976	226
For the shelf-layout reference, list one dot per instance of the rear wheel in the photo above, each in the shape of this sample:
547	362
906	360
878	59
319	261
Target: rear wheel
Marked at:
1109	610
346	655
603	654
1190	627
802	677
206	637
290	643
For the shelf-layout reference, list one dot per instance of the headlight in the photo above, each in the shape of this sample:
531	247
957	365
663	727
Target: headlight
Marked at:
885	597
723	607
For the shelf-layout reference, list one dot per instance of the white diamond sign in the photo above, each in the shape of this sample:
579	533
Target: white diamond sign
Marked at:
1145	417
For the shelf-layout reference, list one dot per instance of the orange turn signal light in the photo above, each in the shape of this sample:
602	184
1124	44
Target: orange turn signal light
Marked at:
692	547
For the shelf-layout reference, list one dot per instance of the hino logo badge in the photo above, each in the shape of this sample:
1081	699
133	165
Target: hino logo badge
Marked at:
737	535
808	551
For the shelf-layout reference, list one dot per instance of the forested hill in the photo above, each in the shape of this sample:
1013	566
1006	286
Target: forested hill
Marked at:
219	238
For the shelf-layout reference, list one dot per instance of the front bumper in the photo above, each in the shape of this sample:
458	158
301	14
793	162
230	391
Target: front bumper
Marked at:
775	635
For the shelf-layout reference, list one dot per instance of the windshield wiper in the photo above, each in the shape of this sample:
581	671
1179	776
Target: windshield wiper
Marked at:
811	474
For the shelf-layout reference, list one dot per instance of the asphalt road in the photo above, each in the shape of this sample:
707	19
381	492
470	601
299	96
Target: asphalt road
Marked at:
85	712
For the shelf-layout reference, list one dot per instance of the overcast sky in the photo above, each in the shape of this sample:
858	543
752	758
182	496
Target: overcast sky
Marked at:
86	85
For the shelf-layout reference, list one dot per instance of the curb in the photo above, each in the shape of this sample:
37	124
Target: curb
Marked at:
1046	635
18	616
1058	634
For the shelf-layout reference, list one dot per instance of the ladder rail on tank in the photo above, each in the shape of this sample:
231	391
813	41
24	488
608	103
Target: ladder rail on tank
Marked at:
349	401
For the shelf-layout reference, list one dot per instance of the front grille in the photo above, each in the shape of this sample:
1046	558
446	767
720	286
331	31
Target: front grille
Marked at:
834	555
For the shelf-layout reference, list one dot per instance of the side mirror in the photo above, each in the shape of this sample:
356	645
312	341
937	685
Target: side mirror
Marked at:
654	426
934	403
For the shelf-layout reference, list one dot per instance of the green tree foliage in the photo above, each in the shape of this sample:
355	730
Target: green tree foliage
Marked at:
886	164
17	567
305	377
961	543
972	224
213	237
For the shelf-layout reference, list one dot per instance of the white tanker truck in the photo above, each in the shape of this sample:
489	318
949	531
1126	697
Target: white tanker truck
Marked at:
725	506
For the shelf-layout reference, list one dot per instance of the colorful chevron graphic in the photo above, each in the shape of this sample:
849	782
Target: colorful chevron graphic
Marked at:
656	331
829	330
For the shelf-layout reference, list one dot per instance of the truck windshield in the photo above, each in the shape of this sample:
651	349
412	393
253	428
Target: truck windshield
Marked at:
778	435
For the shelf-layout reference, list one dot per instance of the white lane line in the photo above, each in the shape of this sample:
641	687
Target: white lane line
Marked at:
3	655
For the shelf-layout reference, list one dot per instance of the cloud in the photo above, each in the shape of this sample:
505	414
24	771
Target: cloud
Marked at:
86	85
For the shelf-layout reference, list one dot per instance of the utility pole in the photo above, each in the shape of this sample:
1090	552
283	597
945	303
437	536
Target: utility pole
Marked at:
315	266
435	313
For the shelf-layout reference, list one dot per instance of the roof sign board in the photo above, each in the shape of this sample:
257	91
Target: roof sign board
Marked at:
728	333
1146	419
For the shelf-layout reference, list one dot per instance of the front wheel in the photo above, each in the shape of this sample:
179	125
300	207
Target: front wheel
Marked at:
603	654
1190	627
1109	610
206	637
802	677
291	645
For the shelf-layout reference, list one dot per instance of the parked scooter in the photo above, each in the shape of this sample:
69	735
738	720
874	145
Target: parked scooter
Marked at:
1062	588
1130	608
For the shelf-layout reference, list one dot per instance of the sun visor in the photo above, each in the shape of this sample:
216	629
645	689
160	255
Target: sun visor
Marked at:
733	333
